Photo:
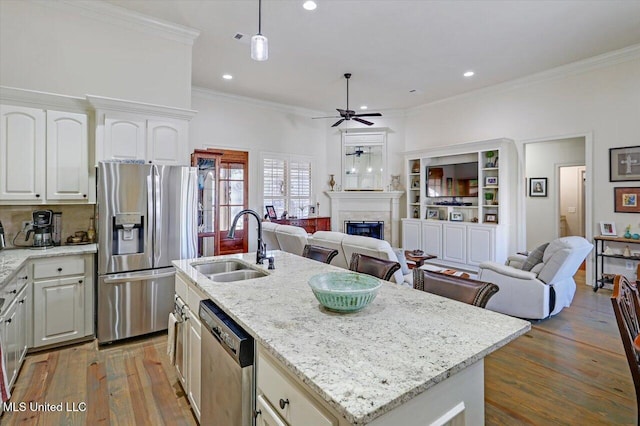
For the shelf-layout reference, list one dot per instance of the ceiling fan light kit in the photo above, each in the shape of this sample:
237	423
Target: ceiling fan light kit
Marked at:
259	43
348	114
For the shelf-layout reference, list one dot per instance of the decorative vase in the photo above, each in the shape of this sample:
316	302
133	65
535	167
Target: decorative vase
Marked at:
332	182
627	234
636	236
91	232
626	252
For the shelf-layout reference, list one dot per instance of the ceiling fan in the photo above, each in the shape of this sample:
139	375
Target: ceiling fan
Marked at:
358	152
347	114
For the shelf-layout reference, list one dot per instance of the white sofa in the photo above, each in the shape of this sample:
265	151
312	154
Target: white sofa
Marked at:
292	239
546	289
269	235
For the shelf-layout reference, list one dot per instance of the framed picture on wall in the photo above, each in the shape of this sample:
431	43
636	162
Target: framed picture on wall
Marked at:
538	187
271	212
624	164
626	200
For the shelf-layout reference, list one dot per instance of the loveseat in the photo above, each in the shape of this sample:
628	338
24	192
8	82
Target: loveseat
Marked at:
292	239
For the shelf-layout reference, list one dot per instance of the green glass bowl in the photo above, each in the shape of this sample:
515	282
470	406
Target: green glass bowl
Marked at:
344	291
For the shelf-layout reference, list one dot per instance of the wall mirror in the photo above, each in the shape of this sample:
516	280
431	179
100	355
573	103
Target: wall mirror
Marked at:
364	158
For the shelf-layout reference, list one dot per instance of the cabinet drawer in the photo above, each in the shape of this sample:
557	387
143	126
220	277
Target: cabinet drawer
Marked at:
58	267
278	388
181	287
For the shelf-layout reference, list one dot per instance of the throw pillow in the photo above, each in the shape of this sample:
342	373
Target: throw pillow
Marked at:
402	261
534	257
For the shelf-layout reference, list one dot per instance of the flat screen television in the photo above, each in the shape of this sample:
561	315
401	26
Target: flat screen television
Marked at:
453	180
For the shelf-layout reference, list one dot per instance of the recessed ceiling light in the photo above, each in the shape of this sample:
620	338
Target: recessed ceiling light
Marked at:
469	74
227	76
309	5
364	107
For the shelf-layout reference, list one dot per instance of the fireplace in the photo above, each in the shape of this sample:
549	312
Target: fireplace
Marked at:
373	229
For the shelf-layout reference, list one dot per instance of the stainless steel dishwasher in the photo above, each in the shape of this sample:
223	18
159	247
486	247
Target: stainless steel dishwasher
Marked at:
228	387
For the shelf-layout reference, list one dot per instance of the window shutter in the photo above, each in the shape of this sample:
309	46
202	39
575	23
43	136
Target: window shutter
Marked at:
274	178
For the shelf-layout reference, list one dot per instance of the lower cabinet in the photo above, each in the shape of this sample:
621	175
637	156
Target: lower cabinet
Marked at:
281	400
14	323
189	339
62	299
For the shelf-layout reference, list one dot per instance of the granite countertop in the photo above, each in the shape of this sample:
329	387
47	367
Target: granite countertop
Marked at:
363	364
12	259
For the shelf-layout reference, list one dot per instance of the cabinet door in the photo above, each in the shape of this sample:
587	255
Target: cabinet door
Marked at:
454	247
432	238
194	364
10	343
67	158
267	416
58	313
124	137
481	244
22	153
22	311
167	142
411	235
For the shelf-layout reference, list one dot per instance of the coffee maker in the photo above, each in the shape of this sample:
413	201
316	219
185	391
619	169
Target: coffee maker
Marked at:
41	229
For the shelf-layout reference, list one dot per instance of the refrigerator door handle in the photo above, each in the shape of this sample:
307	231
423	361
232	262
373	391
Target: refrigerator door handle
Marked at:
130	278
152	212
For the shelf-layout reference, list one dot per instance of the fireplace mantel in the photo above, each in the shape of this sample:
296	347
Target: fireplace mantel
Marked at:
367	205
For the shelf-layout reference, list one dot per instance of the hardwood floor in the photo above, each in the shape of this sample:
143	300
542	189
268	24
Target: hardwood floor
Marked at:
122	384
569	370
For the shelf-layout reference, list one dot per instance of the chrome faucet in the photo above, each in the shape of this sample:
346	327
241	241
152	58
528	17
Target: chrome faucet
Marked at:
261	253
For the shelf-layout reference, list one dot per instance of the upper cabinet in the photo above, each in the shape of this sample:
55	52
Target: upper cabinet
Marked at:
44	155
128	130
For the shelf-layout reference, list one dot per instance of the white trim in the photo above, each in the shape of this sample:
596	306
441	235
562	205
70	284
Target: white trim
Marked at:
116	15
45	100
605	60
214	95
112	104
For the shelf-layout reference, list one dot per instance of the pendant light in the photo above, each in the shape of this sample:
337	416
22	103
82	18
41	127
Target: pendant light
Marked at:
259	43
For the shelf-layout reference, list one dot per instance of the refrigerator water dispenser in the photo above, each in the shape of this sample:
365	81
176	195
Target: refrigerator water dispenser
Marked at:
128	229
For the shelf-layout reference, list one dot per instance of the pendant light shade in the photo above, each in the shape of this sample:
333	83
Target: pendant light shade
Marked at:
259	43
259	48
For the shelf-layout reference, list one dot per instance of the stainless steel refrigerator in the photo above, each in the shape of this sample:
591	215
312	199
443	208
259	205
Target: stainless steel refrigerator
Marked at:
146	218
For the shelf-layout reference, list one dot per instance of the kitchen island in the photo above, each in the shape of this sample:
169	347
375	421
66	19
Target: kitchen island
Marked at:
408	358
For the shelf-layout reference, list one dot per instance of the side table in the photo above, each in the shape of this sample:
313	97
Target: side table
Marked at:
418	259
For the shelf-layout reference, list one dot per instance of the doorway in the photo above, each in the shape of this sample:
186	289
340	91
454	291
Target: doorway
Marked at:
571	200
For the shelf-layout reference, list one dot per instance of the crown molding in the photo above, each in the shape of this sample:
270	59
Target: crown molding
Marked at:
111	104
210	94
596	62
45	100
122	17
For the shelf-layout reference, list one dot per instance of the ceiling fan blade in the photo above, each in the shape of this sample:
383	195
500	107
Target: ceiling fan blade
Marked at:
337	123
368	123
370	114
331	116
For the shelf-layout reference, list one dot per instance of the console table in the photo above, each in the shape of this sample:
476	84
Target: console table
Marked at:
599	281
310	224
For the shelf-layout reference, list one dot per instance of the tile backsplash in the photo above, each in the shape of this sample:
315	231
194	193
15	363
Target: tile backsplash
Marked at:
74	218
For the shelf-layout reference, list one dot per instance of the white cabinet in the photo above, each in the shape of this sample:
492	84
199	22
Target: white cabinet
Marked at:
44	155
411	230
454	243
431	237
67	157
22	153
283	398
481	247
62	299
265	415
128	130
14	324
189	340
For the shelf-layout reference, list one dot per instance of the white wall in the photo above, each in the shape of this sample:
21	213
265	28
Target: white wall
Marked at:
542	160
56	47
603	102
249	125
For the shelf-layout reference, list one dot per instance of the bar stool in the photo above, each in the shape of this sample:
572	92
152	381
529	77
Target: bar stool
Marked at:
321	254
379	268
473	292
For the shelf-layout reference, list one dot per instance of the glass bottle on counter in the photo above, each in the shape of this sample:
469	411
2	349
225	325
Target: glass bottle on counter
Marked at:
91	232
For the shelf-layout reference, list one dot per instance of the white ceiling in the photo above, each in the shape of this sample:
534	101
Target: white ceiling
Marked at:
390	47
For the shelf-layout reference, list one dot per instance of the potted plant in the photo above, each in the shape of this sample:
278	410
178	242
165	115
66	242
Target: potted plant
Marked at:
490	155
488	197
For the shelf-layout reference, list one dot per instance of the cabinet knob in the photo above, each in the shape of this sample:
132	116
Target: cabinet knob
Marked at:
59	269
80	281
13	291
283	403
26	277
21	302
256	413
37	195
8	321
84	195
149	161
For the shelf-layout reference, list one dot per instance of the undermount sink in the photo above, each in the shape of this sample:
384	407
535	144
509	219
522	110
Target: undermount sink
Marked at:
228	271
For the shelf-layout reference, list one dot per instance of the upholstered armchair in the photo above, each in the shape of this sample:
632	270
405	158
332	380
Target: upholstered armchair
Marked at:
546	288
